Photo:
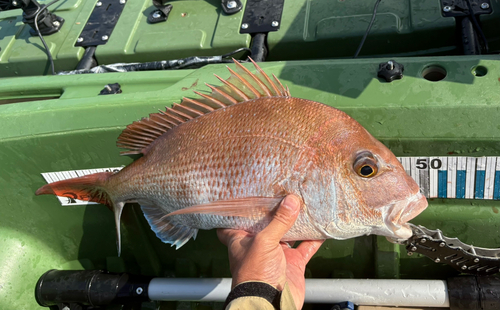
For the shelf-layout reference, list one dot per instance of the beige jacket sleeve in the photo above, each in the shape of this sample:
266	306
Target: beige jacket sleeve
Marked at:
259	303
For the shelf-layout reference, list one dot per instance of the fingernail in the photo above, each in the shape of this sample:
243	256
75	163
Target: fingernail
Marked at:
291	202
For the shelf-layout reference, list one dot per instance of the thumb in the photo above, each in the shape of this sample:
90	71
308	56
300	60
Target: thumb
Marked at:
283	220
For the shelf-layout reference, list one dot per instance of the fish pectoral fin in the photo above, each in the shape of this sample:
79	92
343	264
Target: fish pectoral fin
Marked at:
166	230
244	207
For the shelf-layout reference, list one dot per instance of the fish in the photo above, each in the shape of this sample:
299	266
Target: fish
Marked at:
227	160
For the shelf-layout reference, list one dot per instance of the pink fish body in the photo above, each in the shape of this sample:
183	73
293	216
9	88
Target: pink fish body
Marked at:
228	159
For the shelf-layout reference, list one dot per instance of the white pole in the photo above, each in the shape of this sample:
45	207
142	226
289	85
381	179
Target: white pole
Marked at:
375	292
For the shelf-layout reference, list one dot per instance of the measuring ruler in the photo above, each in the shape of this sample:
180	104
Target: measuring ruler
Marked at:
51	177
457	177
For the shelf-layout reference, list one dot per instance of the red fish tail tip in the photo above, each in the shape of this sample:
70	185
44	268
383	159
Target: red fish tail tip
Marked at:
45	190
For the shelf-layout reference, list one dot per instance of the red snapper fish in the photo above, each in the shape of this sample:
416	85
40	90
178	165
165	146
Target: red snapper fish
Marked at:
227	159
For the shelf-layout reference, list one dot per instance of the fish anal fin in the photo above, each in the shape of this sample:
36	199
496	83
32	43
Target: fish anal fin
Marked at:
251	207
240	87
167	230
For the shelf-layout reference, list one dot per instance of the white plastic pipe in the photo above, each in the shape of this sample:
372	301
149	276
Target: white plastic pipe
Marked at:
409	293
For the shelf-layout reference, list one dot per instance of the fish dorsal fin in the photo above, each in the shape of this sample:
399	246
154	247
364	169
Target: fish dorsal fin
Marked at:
241	86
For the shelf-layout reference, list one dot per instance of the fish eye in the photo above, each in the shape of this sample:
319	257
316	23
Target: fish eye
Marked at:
366	171
366	165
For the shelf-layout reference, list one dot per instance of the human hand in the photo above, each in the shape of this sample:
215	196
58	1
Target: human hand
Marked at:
262	257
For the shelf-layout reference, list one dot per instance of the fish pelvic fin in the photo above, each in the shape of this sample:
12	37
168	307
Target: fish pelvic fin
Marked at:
91	187
117	210
240	87
167	230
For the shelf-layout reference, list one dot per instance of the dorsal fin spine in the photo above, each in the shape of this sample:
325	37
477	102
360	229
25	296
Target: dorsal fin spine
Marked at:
248	85
132	145
142	134
241	86
212	99
170	117
160	120
153	119
234	88
223	94
201	105
177	107
265	89
132	140
275	88
176	111
148	128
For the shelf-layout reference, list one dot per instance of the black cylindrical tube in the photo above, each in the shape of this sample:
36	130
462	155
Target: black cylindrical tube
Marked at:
463	293
90	287
489	291
474	293
470	44
259	49
87	60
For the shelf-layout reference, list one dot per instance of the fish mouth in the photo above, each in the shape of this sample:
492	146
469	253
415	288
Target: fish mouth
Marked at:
403	211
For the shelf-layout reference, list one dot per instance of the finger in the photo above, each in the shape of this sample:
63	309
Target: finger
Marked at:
225	235
283	220
308	248
286	244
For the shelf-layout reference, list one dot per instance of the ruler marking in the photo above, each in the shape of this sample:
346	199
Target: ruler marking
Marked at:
443	178
423	162
496	190
470	178
58	176
414	171
452	178
66	175
407	165
489	180
433	177
48	177
461	174
480	177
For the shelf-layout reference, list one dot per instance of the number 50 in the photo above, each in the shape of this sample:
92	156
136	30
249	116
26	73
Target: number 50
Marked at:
422	163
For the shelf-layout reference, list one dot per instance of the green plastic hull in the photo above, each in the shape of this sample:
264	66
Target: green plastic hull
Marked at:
78	130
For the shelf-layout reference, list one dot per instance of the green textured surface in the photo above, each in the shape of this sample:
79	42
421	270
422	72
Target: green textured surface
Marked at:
413	116
335	28
309	30
21	54
194	28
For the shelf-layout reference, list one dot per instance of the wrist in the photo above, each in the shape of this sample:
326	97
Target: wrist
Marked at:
271	277
255	289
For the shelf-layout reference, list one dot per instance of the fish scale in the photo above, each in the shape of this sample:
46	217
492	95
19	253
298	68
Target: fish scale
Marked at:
227	159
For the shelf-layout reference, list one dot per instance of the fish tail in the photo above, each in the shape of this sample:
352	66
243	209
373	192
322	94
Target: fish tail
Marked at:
89	188
92	187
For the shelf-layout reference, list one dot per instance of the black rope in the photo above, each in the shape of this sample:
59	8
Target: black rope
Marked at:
477	27
49	54
368	29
